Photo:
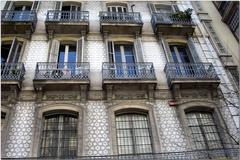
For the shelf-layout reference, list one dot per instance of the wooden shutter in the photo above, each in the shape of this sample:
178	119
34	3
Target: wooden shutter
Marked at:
80	50
151	8
54	51
13	51
138	50
7	5
58	5
193	50
166	50
110	51
35	5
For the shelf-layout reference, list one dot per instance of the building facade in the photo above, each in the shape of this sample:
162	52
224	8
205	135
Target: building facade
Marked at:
115	80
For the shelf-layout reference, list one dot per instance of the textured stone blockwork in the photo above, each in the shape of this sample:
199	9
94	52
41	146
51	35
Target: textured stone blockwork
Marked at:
20	130
171	134
97	133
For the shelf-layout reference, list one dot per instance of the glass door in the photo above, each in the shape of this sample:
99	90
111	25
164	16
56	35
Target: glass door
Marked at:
181	56
21	15
67	58
72	11
124	59
116	12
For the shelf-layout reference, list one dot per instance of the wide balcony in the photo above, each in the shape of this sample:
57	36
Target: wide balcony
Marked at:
170	24
121	23
61	76
67	22
216	154
12	75
191	74
18	22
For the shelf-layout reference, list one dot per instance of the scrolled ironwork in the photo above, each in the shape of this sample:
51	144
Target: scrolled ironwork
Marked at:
12	71
124	17
190	71
128	71
67	16
18	16
62	71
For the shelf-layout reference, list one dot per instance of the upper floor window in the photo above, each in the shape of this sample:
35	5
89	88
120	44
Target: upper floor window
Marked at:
204	132
11	51
163	7
133	133
234	23
67	52
3	120
116	7
59	135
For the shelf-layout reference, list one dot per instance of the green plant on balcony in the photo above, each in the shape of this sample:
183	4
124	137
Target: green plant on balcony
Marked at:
186	15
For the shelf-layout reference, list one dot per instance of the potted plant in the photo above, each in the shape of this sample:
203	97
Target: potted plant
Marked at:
186	15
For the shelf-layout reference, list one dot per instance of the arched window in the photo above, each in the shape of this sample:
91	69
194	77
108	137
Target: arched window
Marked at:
203	129
59	135
133	133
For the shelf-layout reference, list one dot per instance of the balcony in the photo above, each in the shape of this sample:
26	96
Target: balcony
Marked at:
12	75
67	22
168	24
18	22
216	154
121	23
129	80
61	76
191	74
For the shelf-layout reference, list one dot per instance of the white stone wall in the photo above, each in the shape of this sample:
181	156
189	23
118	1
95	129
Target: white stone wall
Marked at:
19	139
172	137
97	141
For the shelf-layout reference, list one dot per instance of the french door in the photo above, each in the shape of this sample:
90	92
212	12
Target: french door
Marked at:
181	56
21	15
72	14
67	54
124	59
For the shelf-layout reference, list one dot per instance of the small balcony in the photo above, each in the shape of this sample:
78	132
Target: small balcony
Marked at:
121	23
191	74
169	24
67	22
18	22
61	76
12	75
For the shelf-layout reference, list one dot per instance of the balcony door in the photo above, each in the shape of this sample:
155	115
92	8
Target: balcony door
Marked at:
181	56
21	15
120	9
67	54
70	11
123	58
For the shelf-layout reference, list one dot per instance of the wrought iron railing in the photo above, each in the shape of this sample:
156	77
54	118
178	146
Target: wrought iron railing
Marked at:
12	71
216	154
19	16
62	71
169	18
67	16
116	17
128	71
190	71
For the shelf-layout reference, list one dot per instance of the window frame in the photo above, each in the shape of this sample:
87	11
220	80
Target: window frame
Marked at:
134	145
60	114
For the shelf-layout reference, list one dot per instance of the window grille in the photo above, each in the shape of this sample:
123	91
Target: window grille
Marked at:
133	134
203	131
59	138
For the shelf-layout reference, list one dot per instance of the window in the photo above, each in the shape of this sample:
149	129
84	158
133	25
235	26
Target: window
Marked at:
67	52
203	130
234	23
117	9
59	137
10	51
133	133
161	8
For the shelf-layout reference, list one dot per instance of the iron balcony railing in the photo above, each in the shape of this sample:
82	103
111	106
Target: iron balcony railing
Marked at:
19	16
116	17
216	154
169	18
67	16
190	71
12	71
62	71
128	71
